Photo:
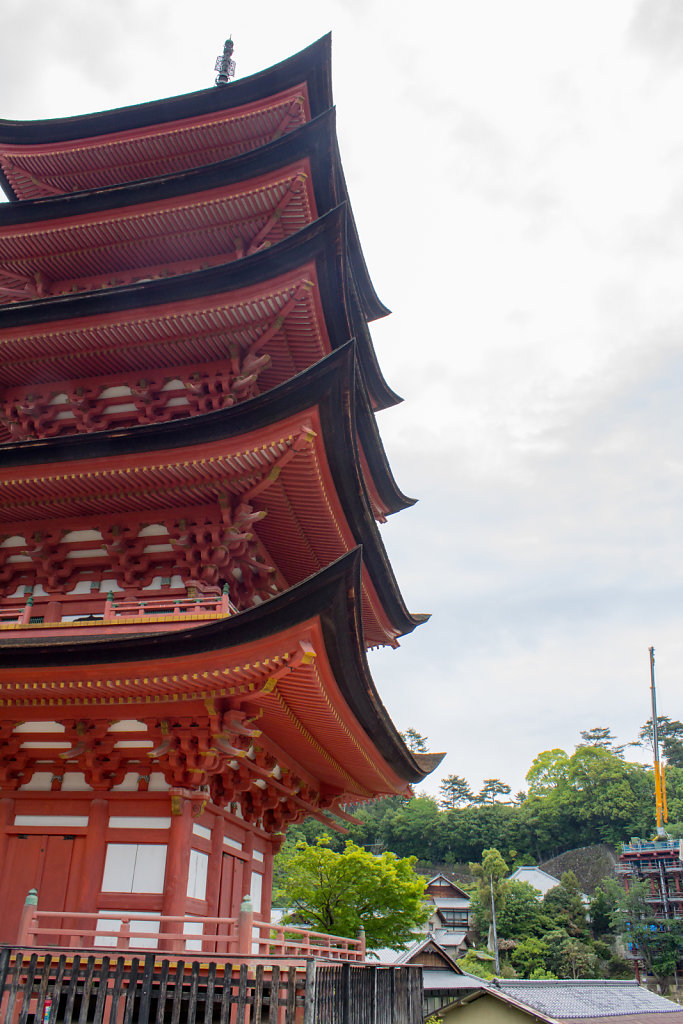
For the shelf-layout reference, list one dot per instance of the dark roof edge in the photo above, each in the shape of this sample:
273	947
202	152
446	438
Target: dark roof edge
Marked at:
313	139
332	384
312	65
334	594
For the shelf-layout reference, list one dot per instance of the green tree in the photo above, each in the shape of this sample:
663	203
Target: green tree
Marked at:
600	793
519	916
482	965
454	791
548	770
600	910
601	737
564	906
574	959
415	741
491	789
340	892
530	957
492	886
656	942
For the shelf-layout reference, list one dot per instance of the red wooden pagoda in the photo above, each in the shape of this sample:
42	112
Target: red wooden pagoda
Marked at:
190	481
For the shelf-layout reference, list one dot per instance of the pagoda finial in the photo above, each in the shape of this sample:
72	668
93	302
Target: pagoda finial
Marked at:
225	65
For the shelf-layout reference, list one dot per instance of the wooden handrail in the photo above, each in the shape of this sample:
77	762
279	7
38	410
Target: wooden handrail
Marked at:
241	935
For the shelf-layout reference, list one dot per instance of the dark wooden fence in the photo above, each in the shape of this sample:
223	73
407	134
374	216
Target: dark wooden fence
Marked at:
92	989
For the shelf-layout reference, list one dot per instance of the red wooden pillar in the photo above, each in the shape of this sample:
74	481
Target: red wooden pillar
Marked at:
267	893
92	861
177	863
94	855
6	819
213	882
248	865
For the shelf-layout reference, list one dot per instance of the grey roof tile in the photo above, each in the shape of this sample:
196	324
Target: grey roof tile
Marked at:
586	998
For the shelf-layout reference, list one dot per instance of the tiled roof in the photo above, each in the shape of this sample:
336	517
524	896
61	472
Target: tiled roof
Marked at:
436	979
575	999
448	936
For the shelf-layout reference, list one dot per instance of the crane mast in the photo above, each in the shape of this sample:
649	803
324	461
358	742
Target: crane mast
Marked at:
660	778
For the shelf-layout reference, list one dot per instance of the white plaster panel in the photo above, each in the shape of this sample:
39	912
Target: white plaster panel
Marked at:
196	879
256	891
157	783
201	830
40	727
130	822
74	782
129	784
134	867
70	820
40	781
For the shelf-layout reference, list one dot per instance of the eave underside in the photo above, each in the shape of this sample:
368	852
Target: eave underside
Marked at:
293	670
298	475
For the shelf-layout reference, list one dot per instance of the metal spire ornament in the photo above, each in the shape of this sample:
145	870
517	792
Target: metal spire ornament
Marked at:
225	65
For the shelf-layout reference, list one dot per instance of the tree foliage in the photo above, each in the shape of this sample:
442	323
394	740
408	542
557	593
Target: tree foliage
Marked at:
490	790
415	741
340	892
658	943
454	790
600	736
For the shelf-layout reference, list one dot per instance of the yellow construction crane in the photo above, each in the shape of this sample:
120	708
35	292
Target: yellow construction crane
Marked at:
660	777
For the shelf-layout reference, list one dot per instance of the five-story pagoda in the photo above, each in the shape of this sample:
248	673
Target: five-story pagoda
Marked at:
190	482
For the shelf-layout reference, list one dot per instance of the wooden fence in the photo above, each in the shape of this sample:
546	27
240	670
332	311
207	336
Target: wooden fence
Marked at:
86	989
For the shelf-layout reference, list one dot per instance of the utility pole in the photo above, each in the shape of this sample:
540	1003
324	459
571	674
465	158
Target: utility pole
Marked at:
493	925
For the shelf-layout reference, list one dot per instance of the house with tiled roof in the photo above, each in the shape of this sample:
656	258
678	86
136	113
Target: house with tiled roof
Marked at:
579	1002
449	924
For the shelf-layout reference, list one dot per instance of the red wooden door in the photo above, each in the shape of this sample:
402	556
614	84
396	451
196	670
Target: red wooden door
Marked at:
34	862
230	896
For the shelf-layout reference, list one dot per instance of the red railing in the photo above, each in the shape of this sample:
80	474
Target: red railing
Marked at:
215	936
137	607
113	611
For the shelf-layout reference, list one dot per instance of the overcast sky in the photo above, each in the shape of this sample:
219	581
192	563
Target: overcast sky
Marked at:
516	173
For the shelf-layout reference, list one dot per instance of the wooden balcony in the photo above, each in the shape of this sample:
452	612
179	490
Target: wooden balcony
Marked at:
108	969
111	616
220	937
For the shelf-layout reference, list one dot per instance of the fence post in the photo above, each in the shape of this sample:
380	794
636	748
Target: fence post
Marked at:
245	927
123	941
309	994
142	1016
346	992
28	917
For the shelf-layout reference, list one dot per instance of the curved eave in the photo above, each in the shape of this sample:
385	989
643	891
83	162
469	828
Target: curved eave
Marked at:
311	66
314	140
320	241
330	386
331	596
390	497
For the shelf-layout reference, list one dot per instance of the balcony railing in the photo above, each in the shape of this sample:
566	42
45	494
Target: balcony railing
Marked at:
213	936
115	613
